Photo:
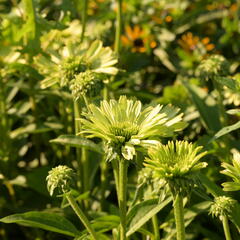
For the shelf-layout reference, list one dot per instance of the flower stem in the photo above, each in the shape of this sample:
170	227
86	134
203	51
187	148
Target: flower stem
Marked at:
179	216
84	19
118	27
81	215
155	227
77	126
221	108
122	195
226	228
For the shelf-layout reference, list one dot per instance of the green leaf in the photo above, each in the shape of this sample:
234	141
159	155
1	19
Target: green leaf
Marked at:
47	221
48	82
235	111
235	216
106	223
206	106
142	212
226	81
210	185
78	142
33	128
226	130
31	29
36	179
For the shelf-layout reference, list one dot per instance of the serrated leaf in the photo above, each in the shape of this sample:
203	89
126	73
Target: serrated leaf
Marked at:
47	221
78	142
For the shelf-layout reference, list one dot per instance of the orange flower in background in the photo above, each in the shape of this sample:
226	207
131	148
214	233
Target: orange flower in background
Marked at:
137	39
189	42
233	7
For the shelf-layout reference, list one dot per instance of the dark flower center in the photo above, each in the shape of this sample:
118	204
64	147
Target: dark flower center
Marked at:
138	42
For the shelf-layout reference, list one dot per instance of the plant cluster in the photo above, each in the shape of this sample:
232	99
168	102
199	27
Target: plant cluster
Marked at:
119	120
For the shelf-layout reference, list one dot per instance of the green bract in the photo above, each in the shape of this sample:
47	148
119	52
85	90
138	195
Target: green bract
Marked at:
222	206
232	171
124	123
175	162
87	82
60	177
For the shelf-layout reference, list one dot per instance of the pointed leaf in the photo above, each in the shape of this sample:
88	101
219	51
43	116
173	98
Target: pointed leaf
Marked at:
47	221
206	106
226	130
142	212
78	142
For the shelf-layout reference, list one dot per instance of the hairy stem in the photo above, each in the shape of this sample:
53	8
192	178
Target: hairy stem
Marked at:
226	228
81	215
122	197
179	216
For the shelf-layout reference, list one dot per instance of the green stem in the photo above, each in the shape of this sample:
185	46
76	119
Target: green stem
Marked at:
81	215
226	228
77	130
103	165
104	183
155	227
116	174
5	143
117	45
179	216
221	108
84	19
122	197
82	155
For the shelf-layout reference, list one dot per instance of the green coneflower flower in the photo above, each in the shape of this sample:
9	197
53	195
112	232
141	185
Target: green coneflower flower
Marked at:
69	63
232	171
60	177
222	206
124	123
175	162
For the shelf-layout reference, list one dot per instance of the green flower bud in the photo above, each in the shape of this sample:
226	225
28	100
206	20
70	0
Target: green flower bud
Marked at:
60	177
84	83
222	206
214	65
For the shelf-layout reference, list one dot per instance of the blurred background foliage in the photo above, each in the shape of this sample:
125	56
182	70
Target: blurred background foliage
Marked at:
163	44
